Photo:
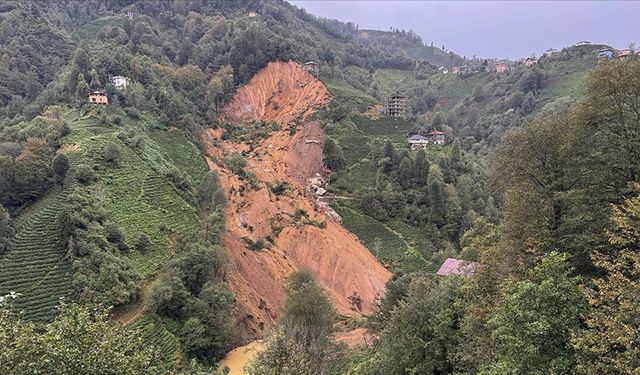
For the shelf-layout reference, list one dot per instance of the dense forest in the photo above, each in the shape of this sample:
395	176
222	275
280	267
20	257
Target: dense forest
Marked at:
111	257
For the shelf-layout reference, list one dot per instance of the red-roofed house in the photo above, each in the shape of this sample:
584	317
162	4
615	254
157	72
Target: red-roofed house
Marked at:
458	267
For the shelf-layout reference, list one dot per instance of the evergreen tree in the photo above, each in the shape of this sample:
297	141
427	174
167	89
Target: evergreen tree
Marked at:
389	151
82	89
437	203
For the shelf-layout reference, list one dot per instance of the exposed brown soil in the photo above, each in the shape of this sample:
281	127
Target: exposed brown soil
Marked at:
340	263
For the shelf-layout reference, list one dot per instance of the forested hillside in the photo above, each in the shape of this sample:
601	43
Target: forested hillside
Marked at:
228	192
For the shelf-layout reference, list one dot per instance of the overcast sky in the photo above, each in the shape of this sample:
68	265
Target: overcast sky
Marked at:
493	28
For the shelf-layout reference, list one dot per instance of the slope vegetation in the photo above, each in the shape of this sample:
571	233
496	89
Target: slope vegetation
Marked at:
287	230
34	266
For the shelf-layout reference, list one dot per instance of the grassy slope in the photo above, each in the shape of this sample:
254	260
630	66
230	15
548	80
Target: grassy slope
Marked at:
449	88
136	191
34	266
396	244
142	200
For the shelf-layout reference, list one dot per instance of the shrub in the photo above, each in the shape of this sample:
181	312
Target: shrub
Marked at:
111	154
236	163
279	187
117	120
179	179
60	167
84	174
114	234
143	243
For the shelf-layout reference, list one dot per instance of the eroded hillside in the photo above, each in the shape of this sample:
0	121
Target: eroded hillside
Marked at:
286	228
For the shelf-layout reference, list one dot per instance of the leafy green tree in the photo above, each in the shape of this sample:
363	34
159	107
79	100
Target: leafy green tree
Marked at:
95	80
422	333
421	167
308	317
210	194
332	154
610	343
404	172
280	357
534	322
79	341
60	168
300	344
6	230
192	291
143	243
82	89
111	154
84	174
437	214
389	151
456	153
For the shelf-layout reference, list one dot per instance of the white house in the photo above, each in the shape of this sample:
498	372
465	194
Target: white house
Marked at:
120	82
417	141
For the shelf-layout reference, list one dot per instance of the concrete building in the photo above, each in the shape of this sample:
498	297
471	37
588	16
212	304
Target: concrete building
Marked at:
605	54
396	105
119	82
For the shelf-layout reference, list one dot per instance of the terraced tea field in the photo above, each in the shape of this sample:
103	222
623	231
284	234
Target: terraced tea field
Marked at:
154	332
34	266
138	195
389	245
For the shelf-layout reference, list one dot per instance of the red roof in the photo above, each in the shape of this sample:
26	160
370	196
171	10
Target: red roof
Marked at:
457	267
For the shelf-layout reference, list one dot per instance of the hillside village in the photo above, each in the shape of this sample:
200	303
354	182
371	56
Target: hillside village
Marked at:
193	186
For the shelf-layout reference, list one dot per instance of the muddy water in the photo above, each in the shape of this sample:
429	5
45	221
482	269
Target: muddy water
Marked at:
239	357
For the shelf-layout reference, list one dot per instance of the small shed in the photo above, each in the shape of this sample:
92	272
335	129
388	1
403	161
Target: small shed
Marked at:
98	97
458	267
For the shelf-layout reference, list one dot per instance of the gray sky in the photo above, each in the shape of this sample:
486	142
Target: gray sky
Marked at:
493	28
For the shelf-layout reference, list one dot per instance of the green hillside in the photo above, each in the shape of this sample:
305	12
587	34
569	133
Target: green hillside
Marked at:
136	191
34	265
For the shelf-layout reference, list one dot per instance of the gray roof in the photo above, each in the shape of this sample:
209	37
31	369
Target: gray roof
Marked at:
418	137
